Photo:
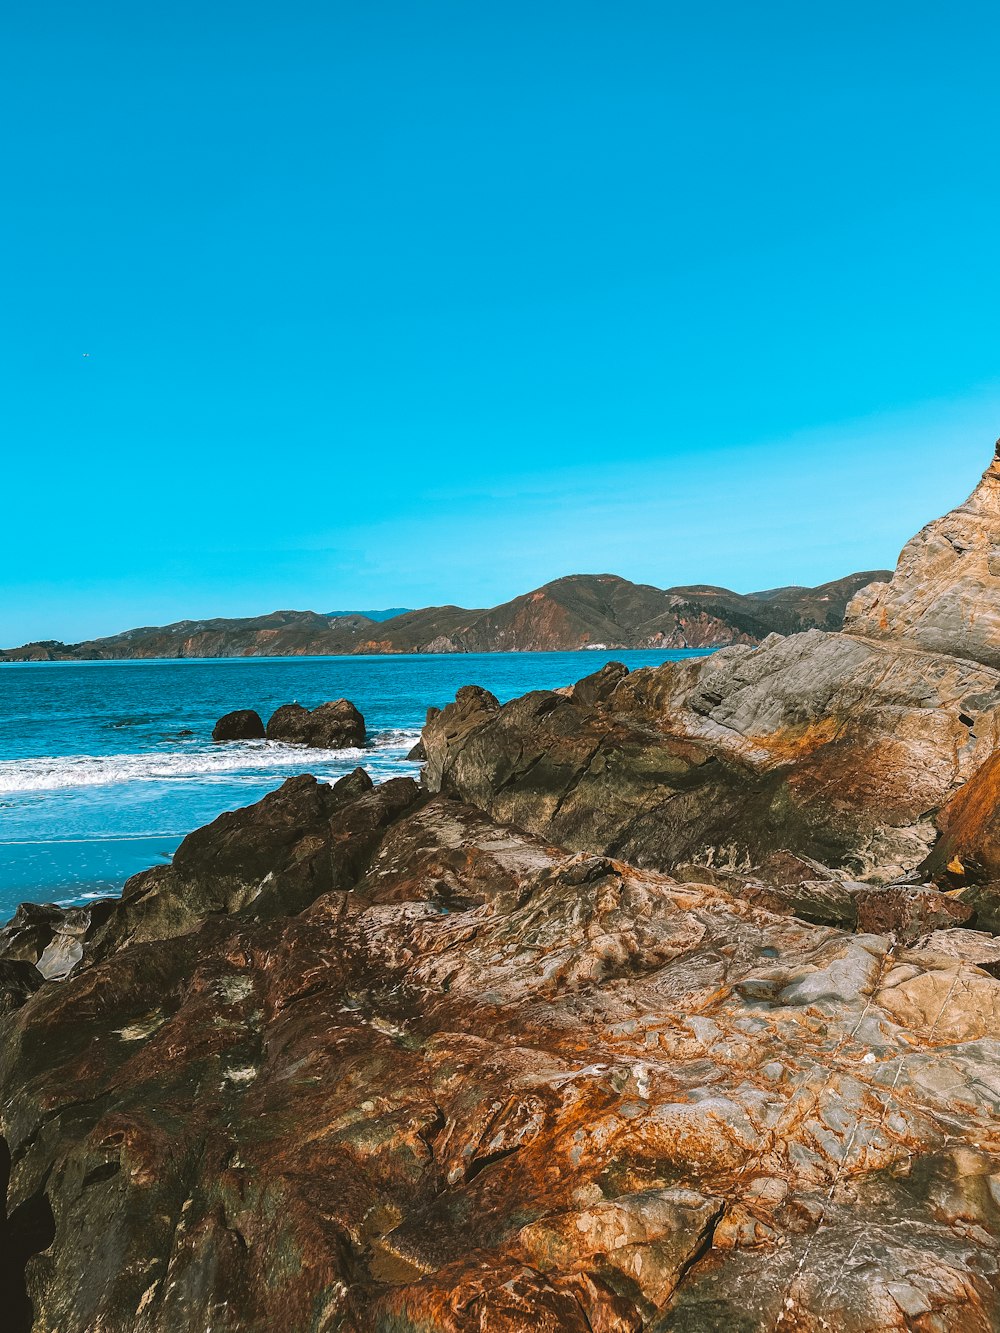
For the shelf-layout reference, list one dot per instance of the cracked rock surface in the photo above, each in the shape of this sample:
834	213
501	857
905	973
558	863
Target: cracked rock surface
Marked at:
668	1001
486	1083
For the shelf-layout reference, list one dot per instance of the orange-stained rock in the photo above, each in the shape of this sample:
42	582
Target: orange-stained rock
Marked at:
466	1058
492	1084
970	824
836	748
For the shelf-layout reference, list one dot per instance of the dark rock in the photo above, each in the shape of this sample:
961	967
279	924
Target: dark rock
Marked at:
52	937
242	725
271	858
594	689
909	911
332	726
731	757
19	980
418	754
29	930
984	901
780	885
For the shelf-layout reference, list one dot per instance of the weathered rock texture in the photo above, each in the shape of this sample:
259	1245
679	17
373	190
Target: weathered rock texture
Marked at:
945	593
480	1083
668	1003
838	747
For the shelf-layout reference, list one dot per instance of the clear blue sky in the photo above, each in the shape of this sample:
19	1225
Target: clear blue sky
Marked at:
404	303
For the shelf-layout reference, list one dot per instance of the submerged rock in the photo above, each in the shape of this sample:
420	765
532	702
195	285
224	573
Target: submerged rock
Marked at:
331	726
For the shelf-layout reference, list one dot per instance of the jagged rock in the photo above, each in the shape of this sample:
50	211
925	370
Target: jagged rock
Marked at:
277	855
242	725
481	1083
945	593
418	754
332	726
732	757
599	686
65	949
52	937
984	899
29	930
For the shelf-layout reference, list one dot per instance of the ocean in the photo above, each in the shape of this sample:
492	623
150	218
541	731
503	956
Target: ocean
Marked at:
105	766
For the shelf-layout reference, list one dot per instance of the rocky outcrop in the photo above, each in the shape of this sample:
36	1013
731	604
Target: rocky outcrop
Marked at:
945	593
837	747
477	1082
668	1001
336	725
242	725
575	612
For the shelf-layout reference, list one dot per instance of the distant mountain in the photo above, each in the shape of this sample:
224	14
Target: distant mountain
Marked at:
580	611
389	614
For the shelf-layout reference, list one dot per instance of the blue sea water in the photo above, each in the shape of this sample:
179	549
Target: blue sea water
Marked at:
105	766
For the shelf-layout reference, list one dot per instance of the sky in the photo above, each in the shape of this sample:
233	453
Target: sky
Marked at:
394	304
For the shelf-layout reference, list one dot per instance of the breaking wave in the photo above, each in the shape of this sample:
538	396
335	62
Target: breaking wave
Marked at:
252	760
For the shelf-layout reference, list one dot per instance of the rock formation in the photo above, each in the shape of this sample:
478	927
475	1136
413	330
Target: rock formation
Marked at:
242	725
945	593
332	726
668	1002
835	746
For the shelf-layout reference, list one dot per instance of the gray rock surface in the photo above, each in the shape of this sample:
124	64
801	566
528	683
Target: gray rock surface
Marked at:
945	593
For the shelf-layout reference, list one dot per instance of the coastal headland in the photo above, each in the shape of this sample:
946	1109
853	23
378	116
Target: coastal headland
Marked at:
581	611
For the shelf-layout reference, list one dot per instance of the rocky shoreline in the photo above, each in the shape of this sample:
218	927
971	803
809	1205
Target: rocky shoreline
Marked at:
665	1001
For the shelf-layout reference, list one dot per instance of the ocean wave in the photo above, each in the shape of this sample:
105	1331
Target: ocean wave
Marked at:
237	761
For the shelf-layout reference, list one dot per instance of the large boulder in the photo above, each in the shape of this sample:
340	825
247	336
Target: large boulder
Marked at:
332	726
242	725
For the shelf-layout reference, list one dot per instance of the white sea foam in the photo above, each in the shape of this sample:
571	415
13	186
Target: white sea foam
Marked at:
249	760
